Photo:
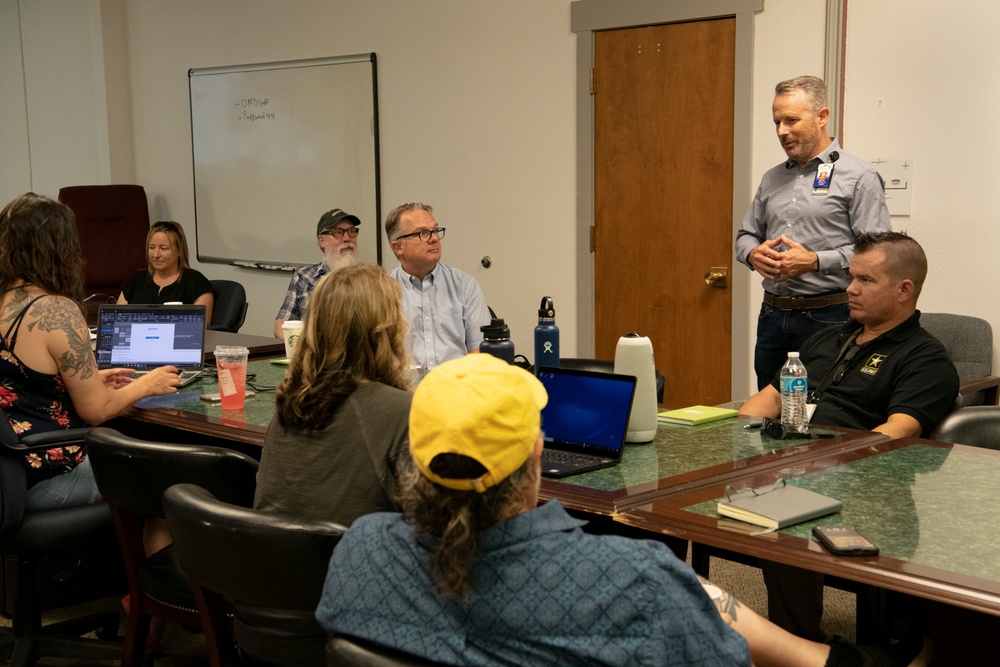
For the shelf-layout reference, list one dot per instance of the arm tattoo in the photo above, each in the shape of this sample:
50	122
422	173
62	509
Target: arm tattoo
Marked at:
62	315
726	603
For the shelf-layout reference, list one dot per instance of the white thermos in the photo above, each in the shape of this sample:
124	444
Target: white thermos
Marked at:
634	356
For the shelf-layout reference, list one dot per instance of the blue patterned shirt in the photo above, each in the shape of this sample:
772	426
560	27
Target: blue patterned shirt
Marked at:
544	593
825	221
299	288
445	311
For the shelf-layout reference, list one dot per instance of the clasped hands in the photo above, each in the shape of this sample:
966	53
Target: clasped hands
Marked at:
782	265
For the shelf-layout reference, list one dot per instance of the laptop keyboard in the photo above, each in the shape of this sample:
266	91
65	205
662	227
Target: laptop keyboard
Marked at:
554	456
185	376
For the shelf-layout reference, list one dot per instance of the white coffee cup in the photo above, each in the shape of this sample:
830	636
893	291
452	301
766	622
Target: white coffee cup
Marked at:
291	330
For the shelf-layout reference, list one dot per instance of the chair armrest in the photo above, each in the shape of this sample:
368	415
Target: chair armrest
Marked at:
50	439
989	384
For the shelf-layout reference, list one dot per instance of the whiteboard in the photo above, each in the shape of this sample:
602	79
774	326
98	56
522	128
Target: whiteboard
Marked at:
276	145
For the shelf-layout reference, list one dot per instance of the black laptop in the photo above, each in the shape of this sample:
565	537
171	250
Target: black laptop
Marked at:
585	420
147	336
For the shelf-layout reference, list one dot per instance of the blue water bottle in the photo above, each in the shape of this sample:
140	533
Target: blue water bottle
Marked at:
496	340
546	336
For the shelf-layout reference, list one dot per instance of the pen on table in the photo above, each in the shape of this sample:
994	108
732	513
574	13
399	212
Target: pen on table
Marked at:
752	425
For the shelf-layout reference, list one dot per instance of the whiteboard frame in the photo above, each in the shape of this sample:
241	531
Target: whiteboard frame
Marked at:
376	225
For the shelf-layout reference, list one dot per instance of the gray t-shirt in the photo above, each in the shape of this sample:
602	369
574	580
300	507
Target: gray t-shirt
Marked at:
343	471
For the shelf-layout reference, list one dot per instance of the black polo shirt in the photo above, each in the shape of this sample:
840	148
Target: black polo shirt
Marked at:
905	370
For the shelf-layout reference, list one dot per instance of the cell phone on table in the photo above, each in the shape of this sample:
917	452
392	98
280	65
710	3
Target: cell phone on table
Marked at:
844	541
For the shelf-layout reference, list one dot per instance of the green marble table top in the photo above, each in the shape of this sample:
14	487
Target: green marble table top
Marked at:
924	504
262	376
682	449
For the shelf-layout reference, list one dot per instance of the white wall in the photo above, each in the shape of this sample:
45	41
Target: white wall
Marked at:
921	84
478	117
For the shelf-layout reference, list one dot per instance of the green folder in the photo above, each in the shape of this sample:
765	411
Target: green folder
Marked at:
696	414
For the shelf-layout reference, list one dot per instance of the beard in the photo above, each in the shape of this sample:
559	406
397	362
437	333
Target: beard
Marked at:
338	258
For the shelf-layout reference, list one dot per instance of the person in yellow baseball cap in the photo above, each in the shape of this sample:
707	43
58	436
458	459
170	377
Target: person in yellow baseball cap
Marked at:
475	572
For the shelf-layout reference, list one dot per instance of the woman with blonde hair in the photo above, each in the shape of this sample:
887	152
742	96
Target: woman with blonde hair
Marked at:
339	433
168	275
48	374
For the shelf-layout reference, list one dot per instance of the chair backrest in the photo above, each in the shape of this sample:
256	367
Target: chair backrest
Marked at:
606	366
977	425
269	559
230	309
343	651
969	341
133	474
13	479
113	221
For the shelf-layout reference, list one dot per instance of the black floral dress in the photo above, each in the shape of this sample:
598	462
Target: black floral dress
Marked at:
36	403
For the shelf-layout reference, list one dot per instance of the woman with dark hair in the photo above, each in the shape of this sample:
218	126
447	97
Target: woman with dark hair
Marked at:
48	374
168	275
339	429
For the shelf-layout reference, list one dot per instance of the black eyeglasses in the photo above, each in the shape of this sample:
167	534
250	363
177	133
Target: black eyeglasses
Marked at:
424	234
165	225
338	233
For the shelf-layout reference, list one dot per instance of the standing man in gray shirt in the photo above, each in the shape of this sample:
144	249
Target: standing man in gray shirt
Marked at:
799	231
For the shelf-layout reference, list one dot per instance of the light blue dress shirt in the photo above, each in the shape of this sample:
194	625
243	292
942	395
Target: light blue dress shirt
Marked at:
445	311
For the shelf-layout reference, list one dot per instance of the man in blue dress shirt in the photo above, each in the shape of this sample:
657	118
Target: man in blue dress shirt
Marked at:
799	232
445	306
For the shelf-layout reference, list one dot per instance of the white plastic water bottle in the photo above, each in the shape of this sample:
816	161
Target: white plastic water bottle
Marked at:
794	392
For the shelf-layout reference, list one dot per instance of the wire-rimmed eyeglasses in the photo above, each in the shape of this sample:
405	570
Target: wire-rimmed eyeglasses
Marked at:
338	233
424	234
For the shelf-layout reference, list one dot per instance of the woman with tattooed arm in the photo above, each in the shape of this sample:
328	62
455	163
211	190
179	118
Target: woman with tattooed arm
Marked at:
48	374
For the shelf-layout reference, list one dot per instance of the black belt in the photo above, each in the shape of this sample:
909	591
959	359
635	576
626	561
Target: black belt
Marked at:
804	302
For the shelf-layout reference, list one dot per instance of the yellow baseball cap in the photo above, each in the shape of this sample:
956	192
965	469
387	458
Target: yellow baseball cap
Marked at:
480	407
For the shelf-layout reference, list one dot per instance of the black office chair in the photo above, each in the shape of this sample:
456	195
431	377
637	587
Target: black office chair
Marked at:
132	475
272	567
26	538
605	366
977	425
230	309
344	651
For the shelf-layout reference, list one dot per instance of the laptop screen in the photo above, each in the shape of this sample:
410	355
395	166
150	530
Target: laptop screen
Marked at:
587	411
145	336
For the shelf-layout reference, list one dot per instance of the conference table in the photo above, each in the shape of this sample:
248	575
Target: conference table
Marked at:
924	503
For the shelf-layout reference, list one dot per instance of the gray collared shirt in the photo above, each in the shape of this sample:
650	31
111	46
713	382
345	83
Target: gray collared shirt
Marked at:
825	221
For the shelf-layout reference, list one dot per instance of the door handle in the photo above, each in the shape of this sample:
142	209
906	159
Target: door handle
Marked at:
717	277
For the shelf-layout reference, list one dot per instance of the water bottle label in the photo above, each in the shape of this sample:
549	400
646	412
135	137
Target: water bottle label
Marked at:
793	384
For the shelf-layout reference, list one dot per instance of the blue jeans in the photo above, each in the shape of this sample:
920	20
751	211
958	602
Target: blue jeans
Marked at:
69	489
782	331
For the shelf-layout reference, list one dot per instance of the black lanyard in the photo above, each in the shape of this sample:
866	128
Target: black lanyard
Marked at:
839	367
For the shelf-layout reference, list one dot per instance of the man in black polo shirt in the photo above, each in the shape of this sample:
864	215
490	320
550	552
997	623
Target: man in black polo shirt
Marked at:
879	371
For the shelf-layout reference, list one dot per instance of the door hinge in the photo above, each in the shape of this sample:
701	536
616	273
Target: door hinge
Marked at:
593	238
593	76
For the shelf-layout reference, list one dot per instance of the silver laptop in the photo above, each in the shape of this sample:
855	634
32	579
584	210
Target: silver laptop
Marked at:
585	420
147	336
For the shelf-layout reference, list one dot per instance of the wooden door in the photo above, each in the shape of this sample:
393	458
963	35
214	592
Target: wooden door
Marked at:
663	202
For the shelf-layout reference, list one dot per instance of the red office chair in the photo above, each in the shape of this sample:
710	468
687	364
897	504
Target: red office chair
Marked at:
113	221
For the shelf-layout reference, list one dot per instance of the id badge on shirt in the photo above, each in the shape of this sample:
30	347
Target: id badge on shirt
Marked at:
824	175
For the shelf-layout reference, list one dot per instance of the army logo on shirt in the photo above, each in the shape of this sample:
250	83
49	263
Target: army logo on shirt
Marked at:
873	364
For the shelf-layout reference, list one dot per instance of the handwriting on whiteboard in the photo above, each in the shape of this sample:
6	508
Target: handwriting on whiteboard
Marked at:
252	111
